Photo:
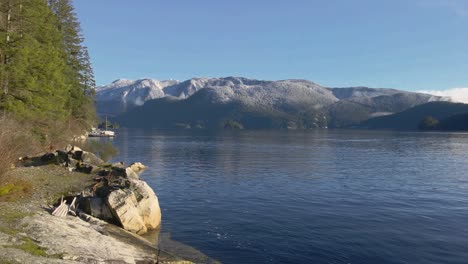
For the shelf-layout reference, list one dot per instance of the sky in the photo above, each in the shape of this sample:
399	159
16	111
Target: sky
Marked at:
406	44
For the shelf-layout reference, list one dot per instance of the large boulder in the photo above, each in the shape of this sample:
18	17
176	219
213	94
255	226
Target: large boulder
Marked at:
90	158
97	207
119	196
136	208
86	157
131	174
121	171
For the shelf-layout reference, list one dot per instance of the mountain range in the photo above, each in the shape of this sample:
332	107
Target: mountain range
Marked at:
248	103
447	115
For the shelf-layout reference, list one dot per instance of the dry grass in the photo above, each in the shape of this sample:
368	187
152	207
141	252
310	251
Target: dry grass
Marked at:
16	140
19	139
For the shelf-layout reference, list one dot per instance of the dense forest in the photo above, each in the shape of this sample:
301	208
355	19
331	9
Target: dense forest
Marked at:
45	69
46	78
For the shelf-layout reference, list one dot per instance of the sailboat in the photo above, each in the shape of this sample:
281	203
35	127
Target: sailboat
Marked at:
96	132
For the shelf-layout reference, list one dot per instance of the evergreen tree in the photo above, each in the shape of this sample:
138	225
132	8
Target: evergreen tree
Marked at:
33	77
45	71
80	76
10	11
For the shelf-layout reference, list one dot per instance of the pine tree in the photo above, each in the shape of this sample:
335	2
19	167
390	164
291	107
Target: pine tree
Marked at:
80	77
33	66
10	14
45	71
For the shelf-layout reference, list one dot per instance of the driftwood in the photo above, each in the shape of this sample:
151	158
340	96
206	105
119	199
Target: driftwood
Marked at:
63	209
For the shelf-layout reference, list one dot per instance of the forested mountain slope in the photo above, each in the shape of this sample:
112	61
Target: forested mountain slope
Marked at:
215	102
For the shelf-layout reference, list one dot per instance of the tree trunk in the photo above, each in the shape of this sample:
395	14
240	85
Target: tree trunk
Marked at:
7	40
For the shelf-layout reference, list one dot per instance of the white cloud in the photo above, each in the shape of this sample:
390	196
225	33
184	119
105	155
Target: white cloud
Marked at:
456	94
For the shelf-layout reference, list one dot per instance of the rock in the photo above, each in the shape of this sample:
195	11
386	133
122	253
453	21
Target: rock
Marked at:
118	165
103	172
68	148
48	157
62	157
73	163
76	155
23	158
118	172
118	195
137	167
85	168
136	208
148	203
91	242
97	207
123	205
90	158
131	174
101	188
124	172
87	157
71	148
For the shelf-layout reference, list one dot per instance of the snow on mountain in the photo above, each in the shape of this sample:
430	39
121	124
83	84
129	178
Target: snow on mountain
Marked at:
133	92
285	95
355	92
140	91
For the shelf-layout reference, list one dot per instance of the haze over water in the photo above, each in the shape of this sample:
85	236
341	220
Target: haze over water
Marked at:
319	196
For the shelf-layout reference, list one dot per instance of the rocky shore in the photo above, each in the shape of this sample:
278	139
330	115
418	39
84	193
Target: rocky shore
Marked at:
113	208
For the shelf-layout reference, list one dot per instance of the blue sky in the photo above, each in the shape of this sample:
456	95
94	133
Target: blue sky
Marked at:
406	44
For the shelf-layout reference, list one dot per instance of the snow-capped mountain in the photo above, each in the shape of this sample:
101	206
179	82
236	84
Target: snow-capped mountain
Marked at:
278	103
133	92
122	95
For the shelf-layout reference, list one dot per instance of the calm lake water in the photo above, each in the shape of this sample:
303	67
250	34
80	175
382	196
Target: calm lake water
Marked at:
320	196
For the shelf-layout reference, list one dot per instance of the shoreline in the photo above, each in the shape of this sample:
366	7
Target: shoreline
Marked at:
29	233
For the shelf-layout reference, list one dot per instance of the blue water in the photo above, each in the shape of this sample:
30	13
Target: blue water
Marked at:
320	196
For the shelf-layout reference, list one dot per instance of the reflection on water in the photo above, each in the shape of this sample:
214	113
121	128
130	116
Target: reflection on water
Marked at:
319	196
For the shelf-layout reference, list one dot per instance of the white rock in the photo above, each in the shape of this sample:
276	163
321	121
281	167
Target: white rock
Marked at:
137	208
131	174
137	167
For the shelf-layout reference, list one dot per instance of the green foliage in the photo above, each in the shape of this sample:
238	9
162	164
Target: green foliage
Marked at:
46	75
36	81
4	190
12	216
31	247
9	231
79	69
428	123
